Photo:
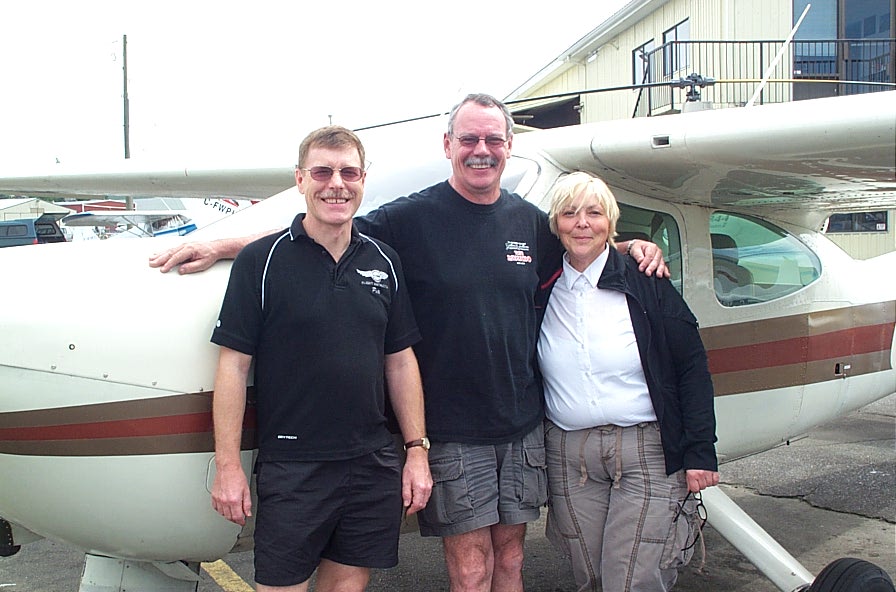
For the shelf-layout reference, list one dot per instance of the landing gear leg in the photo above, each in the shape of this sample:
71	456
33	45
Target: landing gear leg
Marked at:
842	575
758	546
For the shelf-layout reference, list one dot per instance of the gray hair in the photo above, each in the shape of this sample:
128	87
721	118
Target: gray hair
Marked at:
483	100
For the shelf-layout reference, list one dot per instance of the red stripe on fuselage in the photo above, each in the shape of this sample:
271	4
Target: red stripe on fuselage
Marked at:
128	428
826	346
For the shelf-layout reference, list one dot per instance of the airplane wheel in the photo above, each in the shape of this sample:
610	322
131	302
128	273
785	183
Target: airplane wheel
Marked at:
852	575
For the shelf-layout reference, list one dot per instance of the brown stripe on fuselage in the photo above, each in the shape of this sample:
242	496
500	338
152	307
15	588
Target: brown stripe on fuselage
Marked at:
800	349
162	425
745	381
168	406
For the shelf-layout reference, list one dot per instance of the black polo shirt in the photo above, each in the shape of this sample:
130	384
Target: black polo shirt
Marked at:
318	331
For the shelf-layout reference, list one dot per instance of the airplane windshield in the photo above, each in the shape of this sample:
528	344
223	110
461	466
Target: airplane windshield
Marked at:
755	261
519	175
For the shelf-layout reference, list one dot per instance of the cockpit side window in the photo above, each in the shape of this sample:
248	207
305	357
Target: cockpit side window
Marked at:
755	261
656	227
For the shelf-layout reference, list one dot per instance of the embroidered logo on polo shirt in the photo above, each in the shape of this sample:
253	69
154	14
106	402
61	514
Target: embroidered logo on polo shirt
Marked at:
518	252
376	279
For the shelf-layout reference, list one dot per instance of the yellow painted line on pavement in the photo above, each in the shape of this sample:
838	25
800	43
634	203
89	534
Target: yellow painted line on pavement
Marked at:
225	577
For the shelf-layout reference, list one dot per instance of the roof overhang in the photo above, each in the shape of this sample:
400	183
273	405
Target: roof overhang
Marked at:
588	45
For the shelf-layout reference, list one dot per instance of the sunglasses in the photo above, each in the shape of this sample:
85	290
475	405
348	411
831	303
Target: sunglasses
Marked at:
325	173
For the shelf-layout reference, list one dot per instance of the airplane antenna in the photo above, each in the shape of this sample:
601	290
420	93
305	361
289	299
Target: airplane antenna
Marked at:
777	59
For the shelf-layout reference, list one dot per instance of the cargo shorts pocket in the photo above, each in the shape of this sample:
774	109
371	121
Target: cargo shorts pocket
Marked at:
450	499
535	478
683	534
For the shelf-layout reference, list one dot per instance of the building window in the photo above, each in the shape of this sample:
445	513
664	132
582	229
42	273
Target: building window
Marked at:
858	222
675	53
641	71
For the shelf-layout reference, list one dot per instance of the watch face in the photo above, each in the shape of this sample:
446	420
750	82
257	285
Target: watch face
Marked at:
421	442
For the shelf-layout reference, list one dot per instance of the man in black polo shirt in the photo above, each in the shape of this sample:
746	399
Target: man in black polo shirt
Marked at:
324	313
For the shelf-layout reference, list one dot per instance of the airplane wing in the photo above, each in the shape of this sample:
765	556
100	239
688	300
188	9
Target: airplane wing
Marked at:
55	216
138	180
107	218
800	160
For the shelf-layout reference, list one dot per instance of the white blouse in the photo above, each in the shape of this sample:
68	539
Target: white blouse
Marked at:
589	356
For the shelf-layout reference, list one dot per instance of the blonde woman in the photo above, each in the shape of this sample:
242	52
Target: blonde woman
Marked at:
630	426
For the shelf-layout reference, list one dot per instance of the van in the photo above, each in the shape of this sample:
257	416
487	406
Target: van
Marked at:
31	231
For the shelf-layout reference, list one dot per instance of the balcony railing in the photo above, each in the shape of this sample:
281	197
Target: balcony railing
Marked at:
808	69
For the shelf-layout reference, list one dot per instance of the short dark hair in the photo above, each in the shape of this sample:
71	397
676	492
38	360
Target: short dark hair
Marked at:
331	136
483	100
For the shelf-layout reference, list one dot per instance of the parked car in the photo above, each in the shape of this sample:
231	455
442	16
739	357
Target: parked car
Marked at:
31	231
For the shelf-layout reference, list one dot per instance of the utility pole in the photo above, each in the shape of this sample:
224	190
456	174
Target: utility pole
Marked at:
127	115
129	200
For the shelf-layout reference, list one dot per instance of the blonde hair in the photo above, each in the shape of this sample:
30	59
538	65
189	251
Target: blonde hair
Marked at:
573	191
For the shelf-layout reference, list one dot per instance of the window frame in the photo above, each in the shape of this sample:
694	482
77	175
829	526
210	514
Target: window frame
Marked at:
640	54
881	221
676	56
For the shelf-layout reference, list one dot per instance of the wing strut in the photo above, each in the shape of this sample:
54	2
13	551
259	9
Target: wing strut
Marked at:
758	546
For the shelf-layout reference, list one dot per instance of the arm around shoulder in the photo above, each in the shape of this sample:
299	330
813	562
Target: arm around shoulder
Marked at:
198	256
648	255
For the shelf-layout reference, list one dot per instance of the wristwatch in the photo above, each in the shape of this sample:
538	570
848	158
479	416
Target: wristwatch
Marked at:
422	442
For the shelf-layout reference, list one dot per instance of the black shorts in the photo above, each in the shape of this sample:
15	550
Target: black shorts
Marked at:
346	511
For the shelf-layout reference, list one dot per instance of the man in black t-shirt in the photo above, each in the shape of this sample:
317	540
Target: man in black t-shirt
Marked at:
324	313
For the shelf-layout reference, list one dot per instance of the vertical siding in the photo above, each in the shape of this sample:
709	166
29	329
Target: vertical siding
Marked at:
864	245
710	20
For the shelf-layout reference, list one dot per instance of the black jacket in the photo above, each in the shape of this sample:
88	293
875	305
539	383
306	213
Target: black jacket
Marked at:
673	359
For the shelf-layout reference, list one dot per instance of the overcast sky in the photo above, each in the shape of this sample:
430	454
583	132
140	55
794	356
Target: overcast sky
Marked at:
248	80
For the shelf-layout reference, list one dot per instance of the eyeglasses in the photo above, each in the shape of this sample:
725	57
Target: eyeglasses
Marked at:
471	141
699	510
325	173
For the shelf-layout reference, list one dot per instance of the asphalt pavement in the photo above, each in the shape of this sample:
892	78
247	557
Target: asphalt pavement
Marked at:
827	495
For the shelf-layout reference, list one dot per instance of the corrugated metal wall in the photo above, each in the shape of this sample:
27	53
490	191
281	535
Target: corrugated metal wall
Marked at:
865	245
710	20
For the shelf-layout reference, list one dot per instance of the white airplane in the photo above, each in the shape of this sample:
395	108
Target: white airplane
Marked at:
144	223
179	218
105	436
